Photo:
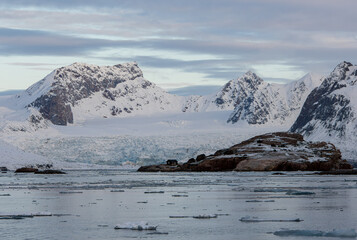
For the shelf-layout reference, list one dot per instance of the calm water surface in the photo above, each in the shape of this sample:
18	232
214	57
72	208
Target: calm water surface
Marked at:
88	205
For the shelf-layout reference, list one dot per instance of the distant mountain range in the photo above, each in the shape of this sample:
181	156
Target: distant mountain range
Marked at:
81	91
320	108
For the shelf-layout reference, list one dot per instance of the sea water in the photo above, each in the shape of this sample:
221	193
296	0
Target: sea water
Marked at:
89	204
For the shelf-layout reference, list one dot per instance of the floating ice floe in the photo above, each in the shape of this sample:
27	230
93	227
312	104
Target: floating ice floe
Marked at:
70	192
158	233
341	233
205	216
277	190
258	201
22	216
255	219
142	225
153	192
281	190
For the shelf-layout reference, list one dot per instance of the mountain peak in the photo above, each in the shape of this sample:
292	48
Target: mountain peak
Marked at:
339	73
251	74
343	65
250	80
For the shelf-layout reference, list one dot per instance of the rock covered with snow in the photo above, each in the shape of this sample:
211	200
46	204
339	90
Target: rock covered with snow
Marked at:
281	151
330	110
84	90
259	102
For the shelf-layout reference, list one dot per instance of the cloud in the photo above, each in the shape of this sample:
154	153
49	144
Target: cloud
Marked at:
237	34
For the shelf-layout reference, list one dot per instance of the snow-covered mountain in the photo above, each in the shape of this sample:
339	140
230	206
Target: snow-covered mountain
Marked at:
330	110
256	102
80	92
260	102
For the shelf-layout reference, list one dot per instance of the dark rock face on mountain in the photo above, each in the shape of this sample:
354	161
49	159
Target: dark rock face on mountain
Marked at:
62	89
54	108
281	151
328	109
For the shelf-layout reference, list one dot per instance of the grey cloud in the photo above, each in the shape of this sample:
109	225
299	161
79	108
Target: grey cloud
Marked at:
39	43
225	14
240	34
233	56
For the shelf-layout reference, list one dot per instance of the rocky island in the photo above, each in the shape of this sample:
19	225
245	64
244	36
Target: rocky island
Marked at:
280	151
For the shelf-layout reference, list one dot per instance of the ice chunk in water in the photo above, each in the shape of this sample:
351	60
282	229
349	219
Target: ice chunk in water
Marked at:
142	225
255	219
205	216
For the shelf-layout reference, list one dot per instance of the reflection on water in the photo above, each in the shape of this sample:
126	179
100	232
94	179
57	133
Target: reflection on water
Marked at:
89	204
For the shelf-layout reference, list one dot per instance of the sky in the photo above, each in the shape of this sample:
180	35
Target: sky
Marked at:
177	43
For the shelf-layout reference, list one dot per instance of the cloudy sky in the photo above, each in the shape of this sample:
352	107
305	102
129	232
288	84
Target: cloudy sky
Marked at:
177	43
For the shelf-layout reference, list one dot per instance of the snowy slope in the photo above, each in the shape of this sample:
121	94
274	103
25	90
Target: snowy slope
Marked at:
273	104
129	98
330	111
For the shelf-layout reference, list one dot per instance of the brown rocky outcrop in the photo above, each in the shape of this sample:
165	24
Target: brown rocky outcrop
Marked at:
280	151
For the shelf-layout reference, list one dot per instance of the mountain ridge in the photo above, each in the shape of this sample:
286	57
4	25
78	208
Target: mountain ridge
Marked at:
79	91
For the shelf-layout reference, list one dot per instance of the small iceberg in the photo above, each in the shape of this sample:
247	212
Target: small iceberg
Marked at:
180	216
255	219
142	225
153	192
349	233
22	216
259	201
70	192
205	216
